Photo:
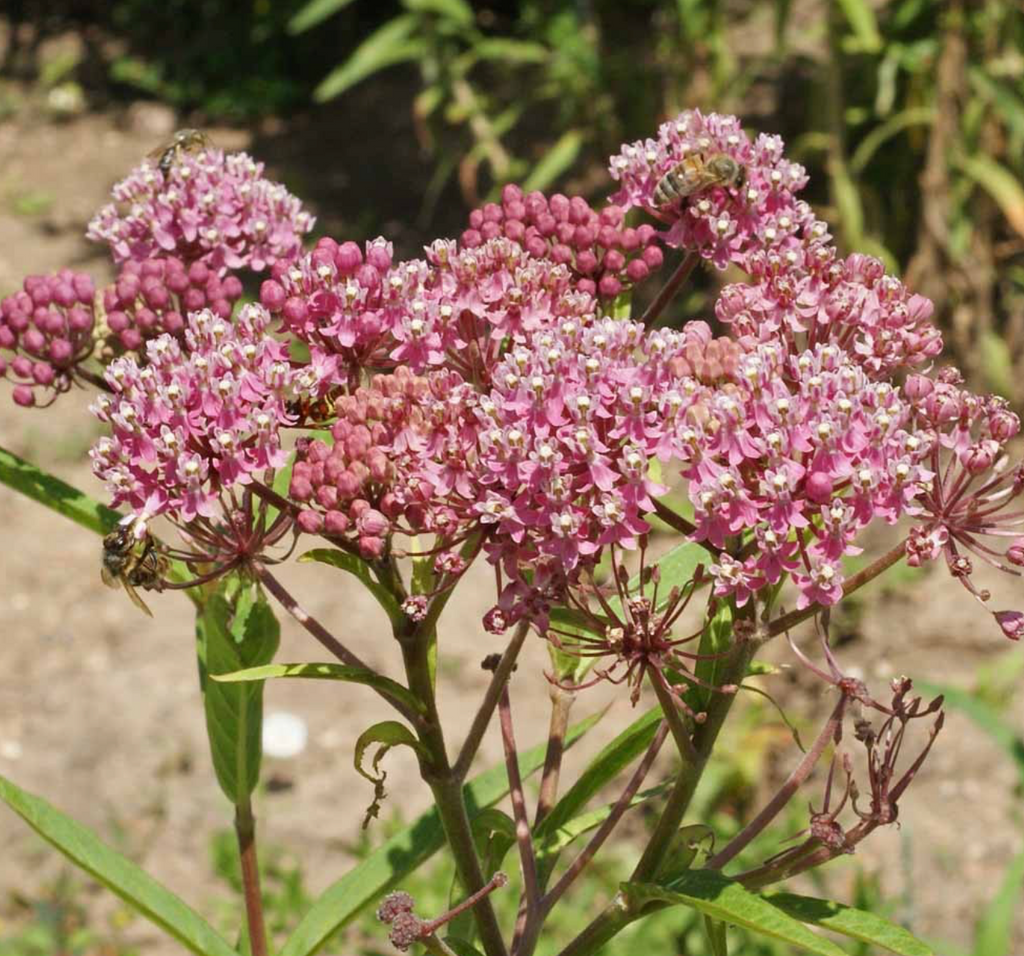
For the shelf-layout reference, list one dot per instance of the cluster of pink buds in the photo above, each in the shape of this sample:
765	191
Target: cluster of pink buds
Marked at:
209	205
153	296
196	418
724	219
605	256
46	330
378	476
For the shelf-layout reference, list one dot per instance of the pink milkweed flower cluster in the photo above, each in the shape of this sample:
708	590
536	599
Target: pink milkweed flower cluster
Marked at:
198	418
725	224
807	297
153	296
211	206
605	256
46	331
481	395
800	455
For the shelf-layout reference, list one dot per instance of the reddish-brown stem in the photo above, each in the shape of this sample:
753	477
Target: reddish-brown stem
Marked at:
670	288
782	624
245	830
325	637
528	924
611	821
793	783
496	882
561	704
490	701
676	522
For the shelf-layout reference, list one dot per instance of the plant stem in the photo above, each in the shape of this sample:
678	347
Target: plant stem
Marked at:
670	288
416	642
245	830
324	636
793	782
561	704
782	624
483	716
677	522
611	821
618	914
669	707
528	923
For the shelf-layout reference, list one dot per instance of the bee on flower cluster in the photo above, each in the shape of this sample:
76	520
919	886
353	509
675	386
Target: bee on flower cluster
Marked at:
183	141
132	563
696	172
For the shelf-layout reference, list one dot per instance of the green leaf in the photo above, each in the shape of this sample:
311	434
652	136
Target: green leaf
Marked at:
999	183
387	733
282	480
994	935
715	640
510	51
458	12
984	716
861	18
354	675
556	161
313	13
881	134
857	924
405	852
723	899
461	947
390	44
234	637
136	887
57	495
691	844
358	567
715	931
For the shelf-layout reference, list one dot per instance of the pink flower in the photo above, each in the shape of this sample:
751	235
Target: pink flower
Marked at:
198	418
211	206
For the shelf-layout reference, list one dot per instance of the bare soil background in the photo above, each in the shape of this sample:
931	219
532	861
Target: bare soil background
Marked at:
99	706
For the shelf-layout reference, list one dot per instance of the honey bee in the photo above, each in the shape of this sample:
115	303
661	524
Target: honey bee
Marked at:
183	141
696	172
132	563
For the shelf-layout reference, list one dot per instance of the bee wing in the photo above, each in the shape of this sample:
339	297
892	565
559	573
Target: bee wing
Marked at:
109	579
156	153
136	600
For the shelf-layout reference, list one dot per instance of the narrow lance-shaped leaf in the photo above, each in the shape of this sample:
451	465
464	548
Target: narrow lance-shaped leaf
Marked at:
723	899
339	672
994	936
357	567
313	13
392	43
55	494
232	637
857	924
136	887
404	853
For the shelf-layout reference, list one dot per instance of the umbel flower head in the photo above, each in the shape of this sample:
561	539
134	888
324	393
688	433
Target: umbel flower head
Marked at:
209	205
726	222
196	419
46	332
